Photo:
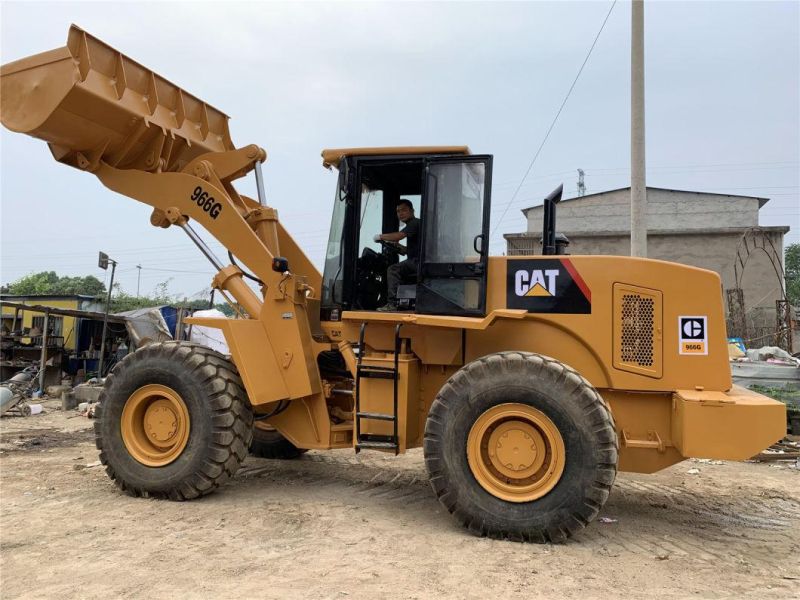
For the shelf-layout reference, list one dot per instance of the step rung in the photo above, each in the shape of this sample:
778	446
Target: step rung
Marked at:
377	445
370	374
375	416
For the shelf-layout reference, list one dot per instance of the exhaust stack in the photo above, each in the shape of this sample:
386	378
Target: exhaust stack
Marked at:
549	228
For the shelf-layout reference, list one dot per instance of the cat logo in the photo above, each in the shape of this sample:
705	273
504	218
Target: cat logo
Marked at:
693	335
535	283
546	286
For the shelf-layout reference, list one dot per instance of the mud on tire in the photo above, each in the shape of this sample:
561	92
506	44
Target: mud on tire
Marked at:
220	420
574	407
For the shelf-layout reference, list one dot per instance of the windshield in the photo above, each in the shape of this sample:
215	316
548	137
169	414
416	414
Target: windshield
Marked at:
371	219
332	274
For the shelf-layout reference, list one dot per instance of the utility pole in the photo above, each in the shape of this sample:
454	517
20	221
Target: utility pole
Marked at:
638	182
102	262
43	357
138	280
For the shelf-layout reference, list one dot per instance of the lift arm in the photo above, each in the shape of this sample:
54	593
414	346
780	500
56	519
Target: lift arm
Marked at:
146	138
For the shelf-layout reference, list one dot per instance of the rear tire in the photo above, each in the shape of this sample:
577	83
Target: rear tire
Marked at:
541	407
173	421
269	443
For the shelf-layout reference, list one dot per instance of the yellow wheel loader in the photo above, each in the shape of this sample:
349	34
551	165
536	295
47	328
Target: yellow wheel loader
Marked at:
528	381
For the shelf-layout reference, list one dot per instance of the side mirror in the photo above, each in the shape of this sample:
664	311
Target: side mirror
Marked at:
344	178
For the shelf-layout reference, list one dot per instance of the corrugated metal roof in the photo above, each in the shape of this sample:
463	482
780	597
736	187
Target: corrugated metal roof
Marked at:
46	296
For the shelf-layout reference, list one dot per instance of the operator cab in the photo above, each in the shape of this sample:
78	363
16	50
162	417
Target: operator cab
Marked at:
449	190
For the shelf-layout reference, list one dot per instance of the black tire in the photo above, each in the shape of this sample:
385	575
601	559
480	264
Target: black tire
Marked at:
574	407
220	418
271	444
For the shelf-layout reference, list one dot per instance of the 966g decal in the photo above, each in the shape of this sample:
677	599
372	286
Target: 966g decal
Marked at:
206	202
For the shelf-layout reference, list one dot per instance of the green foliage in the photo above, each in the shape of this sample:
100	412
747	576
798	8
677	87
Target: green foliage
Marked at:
122	301
789	395
48	283
792	271
225	309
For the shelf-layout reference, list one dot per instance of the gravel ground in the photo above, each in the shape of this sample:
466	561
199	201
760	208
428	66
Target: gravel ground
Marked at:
337	525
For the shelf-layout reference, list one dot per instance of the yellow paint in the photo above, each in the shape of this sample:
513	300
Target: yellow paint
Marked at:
516	452
331	157
155	425
732	425
175	144
538	290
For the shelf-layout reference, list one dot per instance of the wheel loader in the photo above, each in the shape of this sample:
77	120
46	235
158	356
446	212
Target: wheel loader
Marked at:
528	381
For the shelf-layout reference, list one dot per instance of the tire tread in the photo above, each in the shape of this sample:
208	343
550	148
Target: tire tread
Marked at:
594	408
227	397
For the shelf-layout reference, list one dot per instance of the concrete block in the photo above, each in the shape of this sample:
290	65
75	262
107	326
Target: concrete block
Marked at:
55	391
68	400
87	393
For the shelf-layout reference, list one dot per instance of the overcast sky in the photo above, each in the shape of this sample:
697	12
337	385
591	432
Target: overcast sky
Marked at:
722	94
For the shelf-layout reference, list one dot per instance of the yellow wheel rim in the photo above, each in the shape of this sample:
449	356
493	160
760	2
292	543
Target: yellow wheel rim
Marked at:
515	452
155	425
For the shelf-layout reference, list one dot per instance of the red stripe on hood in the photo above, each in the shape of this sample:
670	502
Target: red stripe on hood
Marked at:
577	278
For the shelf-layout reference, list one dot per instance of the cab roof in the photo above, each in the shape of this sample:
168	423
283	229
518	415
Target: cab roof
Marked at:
332	156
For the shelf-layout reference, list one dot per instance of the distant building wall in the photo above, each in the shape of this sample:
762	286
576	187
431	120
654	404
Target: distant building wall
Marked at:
692	228
715	251
666	210
68	327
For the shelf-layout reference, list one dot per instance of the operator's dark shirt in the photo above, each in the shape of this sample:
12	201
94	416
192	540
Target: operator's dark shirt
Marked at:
412	238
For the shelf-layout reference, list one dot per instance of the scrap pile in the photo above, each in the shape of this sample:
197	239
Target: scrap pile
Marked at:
15	392
770	371
783	450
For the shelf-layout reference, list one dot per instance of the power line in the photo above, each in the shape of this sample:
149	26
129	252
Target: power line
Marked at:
599	171
553	124
783	164
209	271
716	190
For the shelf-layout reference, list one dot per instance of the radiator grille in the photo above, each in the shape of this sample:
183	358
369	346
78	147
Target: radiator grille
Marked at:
636	344
638	330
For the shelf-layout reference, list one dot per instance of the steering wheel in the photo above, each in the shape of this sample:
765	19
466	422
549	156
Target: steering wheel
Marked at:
371	279
393	247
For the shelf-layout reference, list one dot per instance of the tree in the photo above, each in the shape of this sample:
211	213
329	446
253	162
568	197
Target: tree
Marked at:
121	301
792	274
49	283
225	309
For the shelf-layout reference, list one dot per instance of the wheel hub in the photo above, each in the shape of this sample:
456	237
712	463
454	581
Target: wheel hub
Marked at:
516	449
155	425
160	423
515	452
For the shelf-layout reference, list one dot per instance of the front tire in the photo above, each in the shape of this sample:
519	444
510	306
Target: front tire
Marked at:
520	446
173	421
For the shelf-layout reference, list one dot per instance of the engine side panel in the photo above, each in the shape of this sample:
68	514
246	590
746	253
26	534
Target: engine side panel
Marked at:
624	323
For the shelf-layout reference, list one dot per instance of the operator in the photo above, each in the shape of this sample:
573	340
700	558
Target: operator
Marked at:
407	268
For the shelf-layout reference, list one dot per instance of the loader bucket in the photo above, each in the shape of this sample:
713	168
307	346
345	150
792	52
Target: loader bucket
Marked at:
91	103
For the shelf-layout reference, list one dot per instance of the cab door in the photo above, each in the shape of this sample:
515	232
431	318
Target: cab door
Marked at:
455	239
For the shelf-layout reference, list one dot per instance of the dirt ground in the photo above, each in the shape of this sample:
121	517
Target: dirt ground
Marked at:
337	525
